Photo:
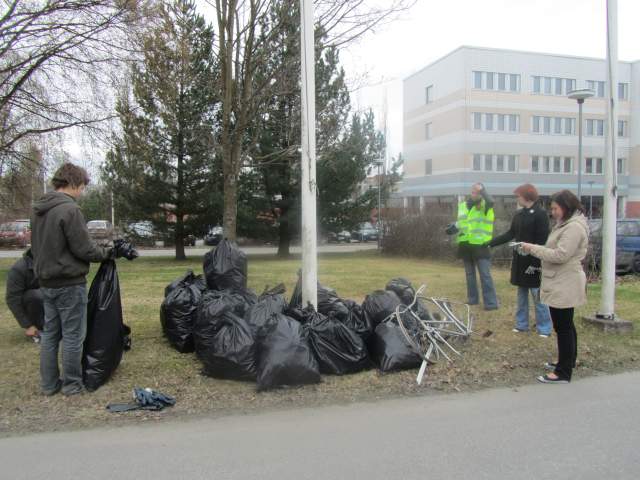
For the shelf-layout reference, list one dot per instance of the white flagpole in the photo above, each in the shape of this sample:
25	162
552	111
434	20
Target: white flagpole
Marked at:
308	166
609	214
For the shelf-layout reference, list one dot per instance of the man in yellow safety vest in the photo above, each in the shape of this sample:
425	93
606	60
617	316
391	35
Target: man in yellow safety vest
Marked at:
474	230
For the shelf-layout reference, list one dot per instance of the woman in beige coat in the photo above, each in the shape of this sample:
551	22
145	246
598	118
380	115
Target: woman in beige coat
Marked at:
563	285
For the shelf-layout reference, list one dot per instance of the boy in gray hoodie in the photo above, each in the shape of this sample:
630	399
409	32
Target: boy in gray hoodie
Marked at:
62	250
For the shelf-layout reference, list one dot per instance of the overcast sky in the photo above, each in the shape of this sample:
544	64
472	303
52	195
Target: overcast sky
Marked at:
433	28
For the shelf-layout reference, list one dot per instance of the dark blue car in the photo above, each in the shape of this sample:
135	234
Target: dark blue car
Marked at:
627	244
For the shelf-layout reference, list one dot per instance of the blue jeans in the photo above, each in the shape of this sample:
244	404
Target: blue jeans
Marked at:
488	290
543	318
65	318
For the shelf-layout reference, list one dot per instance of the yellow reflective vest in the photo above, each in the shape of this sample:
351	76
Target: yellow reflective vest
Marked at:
475	225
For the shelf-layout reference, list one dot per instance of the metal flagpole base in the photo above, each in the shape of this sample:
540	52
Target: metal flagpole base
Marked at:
608	324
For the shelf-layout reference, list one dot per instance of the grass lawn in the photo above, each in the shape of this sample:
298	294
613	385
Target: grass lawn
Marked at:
500	359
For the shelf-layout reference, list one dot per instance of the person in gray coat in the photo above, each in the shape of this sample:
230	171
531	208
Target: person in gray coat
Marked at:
24	297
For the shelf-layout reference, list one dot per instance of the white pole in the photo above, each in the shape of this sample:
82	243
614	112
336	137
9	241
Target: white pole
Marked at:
608	267
113	212
308	166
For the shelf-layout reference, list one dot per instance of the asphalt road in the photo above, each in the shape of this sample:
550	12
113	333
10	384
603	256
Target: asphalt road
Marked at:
199	251
589	429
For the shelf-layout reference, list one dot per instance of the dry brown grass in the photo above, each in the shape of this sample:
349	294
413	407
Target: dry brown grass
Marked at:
501	359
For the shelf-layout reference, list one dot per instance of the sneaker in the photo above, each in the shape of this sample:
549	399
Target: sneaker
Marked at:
517	330
551	366
547	379
49	393
544	335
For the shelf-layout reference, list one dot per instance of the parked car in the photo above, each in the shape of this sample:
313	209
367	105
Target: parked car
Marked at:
627	244
101	231
213	236
340	237
16	233
365	233
141	233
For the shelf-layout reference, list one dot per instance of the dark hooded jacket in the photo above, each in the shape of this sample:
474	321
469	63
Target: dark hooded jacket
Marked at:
60	242
20	279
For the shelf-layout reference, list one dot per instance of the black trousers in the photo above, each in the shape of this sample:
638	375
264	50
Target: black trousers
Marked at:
33	303
562	319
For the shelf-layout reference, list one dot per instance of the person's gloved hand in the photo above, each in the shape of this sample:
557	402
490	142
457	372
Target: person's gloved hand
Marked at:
451	229
123	249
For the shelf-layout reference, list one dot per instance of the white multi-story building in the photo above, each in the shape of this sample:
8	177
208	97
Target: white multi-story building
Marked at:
502	117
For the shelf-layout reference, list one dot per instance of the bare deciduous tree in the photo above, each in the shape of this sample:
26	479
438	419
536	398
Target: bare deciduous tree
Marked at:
245	33
54	57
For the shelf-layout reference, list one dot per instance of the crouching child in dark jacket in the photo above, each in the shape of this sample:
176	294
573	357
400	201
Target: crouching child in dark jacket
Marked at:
24	297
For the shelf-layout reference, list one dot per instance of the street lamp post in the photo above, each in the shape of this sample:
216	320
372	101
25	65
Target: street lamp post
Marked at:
378	223
580	95
590	198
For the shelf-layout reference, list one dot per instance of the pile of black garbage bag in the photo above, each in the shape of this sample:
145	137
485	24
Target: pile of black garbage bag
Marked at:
240	335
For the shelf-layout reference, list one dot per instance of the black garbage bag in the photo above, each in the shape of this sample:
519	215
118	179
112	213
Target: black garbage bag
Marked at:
225	267
261	316
356	320
179	310
390	350
406	293
106	333
377	306
328	300
338	349
211	311
285	356
231	352
197	280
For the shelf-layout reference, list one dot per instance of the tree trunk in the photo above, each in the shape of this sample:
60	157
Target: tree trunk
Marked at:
284	235
230	215
179	238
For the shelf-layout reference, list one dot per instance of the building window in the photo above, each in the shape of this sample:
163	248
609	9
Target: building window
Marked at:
620	166
506	82
477	162
569	126
489	76
495	163
428	94
551	164
593	166
502	81
595	128
547	125
514	123
428	166
496	122
477	121
427	131
488	122
568	165
622	128
535	164
552	85
623	91
597	86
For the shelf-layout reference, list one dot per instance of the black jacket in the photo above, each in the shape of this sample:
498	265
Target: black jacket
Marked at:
60	242
529	225
20	279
